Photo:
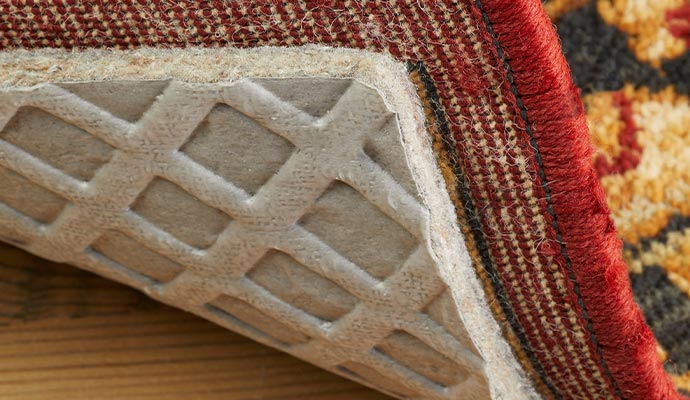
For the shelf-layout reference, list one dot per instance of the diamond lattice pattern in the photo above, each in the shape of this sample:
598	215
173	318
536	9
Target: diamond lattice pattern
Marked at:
288	217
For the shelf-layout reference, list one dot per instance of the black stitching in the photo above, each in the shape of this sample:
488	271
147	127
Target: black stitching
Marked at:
547	192
474	221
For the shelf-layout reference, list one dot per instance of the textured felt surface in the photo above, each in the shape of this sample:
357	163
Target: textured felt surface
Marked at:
318	230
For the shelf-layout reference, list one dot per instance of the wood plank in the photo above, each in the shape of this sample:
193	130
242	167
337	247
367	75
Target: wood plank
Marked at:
68	334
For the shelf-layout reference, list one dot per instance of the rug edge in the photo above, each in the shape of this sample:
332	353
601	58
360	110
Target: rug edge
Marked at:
552	105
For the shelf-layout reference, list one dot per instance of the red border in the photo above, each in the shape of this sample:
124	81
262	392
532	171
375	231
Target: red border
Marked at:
555	112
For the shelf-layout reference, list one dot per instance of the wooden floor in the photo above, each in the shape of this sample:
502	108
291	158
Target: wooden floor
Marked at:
68	334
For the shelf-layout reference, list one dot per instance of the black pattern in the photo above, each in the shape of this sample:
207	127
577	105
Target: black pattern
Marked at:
599	55
667	311
676	224
678	72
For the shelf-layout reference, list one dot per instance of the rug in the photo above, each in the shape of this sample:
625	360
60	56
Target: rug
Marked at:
631	61
511	141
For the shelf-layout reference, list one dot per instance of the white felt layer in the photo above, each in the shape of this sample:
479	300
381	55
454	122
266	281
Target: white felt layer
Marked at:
290	195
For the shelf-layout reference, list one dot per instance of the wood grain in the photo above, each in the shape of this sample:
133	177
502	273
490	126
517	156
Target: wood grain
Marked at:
68	334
